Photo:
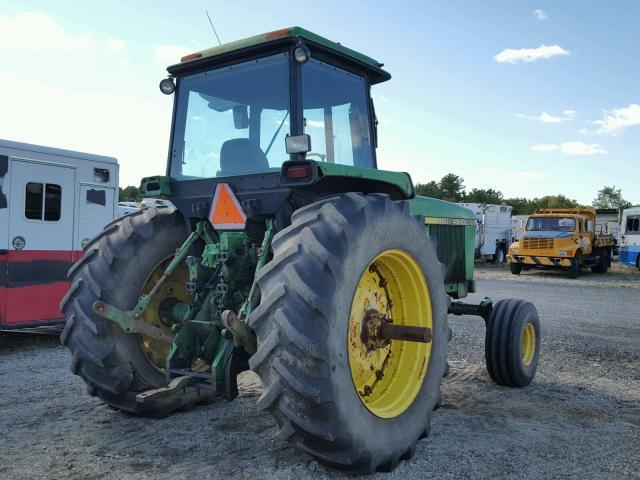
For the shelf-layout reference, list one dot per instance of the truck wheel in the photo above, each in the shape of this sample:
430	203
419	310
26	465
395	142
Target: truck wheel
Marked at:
574	269
119	264
515	268
501	255
512	343
603	263
337	391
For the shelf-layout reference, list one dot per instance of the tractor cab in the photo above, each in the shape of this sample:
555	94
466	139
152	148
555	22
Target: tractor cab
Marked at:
234	110
245	109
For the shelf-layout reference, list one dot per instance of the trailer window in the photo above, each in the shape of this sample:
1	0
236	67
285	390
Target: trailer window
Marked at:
43	201
33	201
633	224
52	202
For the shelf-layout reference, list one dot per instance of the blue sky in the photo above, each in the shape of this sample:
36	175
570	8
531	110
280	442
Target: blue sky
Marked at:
531	98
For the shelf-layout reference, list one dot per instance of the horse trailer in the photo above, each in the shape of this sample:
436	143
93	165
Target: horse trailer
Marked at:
52	202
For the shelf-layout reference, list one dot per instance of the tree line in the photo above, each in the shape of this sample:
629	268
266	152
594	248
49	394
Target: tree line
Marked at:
452	189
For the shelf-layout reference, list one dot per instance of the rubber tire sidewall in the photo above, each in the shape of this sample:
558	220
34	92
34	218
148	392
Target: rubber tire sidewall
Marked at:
165	241
377	434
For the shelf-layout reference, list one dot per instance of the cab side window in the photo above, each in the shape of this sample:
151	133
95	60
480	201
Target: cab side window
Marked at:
43	201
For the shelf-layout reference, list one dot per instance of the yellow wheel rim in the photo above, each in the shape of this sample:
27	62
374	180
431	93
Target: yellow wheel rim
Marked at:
389	378
173	288
528	344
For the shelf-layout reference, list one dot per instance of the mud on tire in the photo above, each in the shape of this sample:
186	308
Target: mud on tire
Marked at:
302	322
113	269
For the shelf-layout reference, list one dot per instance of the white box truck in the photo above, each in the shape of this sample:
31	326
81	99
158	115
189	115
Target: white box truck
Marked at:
52	202
630	237
493	231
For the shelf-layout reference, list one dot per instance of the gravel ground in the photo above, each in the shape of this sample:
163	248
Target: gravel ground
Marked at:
580	418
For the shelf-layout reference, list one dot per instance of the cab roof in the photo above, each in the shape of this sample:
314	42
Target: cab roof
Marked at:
274	39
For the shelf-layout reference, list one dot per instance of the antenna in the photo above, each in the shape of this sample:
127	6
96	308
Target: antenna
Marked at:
213	28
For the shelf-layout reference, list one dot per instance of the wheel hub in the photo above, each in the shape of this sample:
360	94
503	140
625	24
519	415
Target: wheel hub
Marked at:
159	313
389	333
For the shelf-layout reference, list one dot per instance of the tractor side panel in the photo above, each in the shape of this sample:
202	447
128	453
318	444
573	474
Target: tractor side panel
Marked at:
454	230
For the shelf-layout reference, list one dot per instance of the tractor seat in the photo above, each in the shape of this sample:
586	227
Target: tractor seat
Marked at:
240	156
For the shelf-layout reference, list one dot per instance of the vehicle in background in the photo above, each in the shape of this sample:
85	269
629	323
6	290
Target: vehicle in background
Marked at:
125	208
493	230
608	223
154	202
630	237
52	202
562	238
518	224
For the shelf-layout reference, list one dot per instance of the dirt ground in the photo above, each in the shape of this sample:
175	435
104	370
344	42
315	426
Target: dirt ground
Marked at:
579	419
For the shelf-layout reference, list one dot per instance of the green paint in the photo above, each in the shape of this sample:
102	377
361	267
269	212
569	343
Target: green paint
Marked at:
225	348
401	180
294	33
431	207
157	186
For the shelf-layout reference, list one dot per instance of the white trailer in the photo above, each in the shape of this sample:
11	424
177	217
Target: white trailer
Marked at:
52	202
630	237
608	223
493	231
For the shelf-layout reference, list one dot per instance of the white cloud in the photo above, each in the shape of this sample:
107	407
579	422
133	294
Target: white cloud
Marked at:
36	32
527	55
616	120
571	148
539	14
383	99
314	123
115	45
544	117
170	54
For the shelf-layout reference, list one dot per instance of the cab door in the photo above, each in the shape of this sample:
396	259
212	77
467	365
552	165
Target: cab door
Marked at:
40	240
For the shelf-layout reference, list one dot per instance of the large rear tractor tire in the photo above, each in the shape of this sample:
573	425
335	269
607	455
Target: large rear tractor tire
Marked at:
118	265
512	343
349	401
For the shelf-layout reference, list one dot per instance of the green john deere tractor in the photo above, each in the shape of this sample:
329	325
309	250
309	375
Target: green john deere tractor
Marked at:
288	253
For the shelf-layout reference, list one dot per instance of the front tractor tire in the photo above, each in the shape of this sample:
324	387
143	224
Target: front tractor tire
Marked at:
512	343
354	403
117	266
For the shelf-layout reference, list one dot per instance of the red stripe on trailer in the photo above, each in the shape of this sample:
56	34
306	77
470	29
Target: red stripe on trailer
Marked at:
31	292
34	303
51	255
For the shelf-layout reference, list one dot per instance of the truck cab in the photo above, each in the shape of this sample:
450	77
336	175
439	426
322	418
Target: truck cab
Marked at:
561	238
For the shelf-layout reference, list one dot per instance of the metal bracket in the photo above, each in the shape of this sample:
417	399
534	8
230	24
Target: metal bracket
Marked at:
483	309
130	321
176	386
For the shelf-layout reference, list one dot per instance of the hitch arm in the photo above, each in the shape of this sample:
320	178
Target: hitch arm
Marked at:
131	321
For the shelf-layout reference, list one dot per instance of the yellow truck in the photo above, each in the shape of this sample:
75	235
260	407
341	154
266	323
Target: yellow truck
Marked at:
561	238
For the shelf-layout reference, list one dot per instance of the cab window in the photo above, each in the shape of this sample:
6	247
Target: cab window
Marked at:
336	115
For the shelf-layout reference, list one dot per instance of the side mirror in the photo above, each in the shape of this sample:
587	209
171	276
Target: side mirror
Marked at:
298	143
240	117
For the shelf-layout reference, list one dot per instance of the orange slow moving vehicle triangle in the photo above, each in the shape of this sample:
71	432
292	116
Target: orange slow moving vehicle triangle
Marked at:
226	212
